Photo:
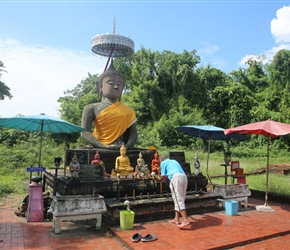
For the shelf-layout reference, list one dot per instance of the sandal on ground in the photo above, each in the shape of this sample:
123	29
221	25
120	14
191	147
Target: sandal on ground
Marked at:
148	238
136	237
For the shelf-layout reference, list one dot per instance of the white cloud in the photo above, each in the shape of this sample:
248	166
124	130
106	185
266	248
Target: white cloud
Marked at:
280	29
208	55
280	26
269	54
273	51
208	49
37	76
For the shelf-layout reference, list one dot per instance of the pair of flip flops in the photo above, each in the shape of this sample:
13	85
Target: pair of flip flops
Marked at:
136	237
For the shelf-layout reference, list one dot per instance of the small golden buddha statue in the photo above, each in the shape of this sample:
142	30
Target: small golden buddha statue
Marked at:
155	165
122	164
113	172
141	169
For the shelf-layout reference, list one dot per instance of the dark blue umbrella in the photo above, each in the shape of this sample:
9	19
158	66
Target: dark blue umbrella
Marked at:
209	133
40	123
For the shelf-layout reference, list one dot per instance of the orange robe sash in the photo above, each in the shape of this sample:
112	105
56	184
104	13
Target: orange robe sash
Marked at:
112	122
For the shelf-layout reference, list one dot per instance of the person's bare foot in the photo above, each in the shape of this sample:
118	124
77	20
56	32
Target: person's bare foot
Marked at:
184	224
174	221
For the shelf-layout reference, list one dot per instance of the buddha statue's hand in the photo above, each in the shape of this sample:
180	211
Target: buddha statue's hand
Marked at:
113	146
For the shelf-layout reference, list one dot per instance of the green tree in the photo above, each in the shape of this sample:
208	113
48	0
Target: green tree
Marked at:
280	77
207	79
154	79
231	105
179	115
4	89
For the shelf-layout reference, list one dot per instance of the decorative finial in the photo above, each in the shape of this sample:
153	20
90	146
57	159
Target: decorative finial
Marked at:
114	25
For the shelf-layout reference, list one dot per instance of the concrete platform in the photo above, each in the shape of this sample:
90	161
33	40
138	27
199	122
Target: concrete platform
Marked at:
250	229
157	207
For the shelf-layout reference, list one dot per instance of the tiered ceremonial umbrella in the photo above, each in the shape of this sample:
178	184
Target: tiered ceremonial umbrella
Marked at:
112	45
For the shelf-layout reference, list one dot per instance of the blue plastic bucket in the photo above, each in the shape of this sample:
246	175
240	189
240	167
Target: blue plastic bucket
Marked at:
232	207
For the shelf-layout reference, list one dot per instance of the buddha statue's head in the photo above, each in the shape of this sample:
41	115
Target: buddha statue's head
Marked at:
156	155
123	150
75	158
110	77
97	156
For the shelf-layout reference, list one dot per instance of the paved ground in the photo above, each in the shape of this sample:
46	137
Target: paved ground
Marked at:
250	229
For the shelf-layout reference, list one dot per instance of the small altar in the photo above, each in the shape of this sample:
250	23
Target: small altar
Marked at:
238	192
77	207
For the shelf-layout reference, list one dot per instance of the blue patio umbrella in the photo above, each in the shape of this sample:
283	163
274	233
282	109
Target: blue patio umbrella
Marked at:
209	132
40	123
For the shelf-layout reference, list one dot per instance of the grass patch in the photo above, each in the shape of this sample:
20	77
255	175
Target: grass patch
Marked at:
12	183
278	184
6	188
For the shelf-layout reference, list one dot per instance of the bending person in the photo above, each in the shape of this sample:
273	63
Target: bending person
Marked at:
171	169
114	122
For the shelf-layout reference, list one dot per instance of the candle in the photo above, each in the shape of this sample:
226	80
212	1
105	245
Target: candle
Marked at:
160	187
133	192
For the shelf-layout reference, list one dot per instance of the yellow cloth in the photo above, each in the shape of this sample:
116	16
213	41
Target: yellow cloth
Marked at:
112	122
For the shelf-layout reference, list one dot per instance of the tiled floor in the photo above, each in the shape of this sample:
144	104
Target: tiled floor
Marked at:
250	229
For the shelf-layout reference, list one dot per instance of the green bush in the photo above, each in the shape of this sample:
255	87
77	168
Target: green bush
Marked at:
6	188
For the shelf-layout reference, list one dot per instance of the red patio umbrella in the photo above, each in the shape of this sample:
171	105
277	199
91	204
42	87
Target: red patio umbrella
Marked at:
270	129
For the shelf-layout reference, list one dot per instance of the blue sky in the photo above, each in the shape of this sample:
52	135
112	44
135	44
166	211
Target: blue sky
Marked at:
45	45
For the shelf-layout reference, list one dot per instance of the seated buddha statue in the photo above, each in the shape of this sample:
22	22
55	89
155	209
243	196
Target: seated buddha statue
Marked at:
141	169
97	161
74	167
122	164
114	122
155	164
196	165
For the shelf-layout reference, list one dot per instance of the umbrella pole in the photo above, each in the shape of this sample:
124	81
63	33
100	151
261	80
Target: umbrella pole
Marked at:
208	149
265	207
267	172
40	144
112	50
